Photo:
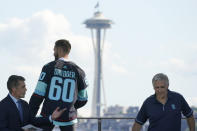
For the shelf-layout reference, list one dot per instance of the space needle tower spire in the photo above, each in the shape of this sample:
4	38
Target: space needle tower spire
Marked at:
98	25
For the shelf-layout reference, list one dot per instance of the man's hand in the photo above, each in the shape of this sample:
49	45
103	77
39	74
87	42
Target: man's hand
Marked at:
191	123
136	127
57	113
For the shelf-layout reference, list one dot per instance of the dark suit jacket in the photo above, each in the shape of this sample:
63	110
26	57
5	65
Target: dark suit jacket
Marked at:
10	118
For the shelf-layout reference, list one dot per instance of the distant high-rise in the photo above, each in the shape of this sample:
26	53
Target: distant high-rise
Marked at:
98	25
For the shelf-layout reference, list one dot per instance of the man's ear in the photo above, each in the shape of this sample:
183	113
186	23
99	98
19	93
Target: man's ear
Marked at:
13	90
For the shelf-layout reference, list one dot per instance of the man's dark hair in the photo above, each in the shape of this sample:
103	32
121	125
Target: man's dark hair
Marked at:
64	44
13	81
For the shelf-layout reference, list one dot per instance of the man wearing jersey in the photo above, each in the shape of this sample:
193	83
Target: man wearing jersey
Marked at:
61	84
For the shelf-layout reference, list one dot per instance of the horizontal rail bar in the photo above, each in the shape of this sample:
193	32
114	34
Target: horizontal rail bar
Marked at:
113	118
106	117
99	119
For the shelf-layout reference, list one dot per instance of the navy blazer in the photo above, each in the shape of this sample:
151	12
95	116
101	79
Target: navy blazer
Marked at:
10	118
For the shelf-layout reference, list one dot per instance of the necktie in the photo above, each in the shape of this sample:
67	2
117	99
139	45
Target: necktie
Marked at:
20	109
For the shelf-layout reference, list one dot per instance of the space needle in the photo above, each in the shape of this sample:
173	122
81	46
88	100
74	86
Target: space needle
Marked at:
98	25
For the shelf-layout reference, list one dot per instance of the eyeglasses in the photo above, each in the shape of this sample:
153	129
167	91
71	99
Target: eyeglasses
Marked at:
157	87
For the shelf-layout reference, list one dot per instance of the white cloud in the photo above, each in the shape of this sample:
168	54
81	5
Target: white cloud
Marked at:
28	69
175	64
179	65
32	39
118	69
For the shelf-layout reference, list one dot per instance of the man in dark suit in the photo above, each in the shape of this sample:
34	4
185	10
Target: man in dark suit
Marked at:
15	112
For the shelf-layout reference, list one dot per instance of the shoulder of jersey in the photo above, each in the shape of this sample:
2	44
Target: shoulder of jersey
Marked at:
76	65
73	64
50	63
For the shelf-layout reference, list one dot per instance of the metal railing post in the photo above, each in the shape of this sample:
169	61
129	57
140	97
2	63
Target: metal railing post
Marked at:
99	124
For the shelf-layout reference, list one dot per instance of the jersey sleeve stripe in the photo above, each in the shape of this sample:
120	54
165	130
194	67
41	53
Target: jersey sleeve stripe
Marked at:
39	93
65	123
82	95
40	88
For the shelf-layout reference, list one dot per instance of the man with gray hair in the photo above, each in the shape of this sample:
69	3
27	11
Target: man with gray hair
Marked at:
164	108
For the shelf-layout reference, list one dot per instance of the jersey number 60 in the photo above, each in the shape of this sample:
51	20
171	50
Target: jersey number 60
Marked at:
66	93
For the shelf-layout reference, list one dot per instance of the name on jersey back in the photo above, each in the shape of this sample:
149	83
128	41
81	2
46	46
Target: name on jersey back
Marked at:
62	73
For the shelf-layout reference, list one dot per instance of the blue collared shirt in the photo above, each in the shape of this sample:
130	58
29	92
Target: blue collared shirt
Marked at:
14	100
165	117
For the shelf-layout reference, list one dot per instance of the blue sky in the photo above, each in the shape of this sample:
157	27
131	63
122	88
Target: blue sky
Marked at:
147	37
